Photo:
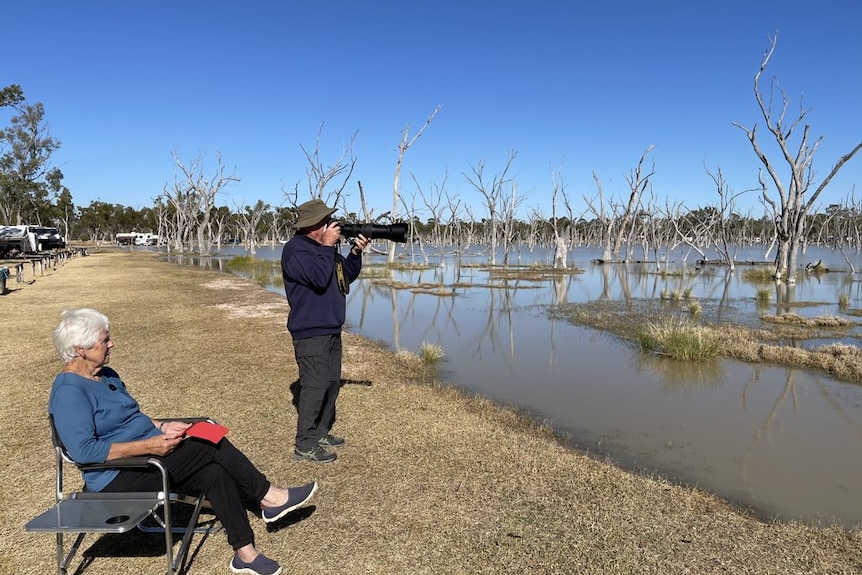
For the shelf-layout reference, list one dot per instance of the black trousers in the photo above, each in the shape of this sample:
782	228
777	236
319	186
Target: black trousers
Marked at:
221	471
319	361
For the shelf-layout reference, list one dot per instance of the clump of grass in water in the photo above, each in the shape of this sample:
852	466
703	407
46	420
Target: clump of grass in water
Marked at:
679	338
431	352
676	295
262	272
407	266
673	273
763	296
262	276
843	302
759	274
245	262
407	357
670	295
822	321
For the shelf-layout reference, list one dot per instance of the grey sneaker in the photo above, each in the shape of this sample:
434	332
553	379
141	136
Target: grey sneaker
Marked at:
331	441
315	454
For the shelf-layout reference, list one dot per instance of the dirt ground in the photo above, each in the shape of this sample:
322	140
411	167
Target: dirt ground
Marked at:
430	482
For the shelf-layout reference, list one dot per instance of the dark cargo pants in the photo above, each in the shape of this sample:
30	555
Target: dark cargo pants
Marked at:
319	361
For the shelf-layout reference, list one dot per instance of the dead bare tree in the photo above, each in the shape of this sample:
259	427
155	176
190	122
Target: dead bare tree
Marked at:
846	228
181	218
200	192
433	201
363	204
454	230
510	205
323	181
794	207
537	229
638	180
661	233
163	222
469	227
404	145
726	203
604	220
319	176
560	246
574	236
249	218
495	198
219	224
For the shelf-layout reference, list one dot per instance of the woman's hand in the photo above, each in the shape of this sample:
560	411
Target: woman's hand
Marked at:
157	445
163	444
174	428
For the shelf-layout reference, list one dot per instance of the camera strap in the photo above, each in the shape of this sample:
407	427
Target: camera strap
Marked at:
343	284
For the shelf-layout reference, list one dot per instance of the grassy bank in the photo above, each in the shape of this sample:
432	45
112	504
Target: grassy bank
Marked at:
431	482
672	332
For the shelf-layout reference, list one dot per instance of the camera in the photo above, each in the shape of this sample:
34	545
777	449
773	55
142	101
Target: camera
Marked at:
394	232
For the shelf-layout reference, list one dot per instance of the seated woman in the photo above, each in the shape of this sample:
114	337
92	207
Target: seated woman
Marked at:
98	420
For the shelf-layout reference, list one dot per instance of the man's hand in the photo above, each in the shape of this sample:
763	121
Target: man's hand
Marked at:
331	233
359	244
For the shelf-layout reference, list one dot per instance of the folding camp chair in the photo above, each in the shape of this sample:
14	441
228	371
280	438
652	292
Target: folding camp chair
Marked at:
94	512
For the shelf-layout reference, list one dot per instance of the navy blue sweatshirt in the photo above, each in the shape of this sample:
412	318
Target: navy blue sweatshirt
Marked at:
317	306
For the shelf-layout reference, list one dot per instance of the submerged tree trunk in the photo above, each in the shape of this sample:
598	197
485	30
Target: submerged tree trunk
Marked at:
560	254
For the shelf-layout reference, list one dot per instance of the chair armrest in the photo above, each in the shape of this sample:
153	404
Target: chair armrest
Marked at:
120	462
127	463
132	462
187	419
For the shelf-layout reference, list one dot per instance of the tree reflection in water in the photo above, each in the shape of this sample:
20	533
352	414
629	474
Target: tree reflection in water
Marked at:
784	442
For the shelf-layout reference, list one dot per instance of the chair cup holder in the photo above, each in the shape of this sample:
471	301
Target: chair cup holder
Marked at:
117	519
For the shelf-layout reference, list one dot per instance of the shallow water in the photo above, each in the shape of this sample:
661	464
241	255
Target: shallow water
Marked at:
783	442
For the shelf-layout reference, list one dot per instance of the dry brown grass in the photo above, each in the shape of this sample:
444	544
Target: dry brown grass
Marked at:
431	482
738	341
844	362
829	322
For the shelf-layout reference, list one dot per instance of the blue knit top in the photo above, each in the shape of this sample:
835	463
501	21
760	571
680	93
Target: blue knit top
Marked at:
91	415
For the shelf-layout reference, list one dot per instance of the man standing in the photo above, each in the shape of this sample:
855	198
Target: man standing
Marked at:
316	281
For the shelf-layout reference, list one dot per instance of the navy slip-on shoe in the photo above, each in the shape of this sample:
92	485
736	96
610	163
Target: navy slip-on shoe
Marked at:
261	565
296	497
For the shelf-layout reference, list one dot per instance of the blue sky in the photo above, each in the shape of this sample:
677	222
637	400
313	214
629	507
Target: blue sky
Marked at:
571	87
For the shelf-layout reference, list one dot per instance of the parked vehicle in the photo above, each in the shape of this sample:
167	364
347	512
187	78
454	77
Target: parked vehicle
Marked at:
20	240
137	239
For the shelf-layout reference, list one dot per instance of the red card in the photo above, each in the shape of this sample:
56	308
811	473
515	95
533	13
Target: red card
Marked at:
212	432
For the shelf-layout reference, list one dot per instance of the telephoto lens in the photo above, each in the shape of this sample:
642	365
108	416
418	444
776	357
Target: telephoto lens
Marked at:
394	232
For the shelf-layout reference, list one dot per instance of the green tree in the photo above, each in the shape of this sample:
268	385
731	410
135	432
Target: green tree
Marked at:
97	221
26	180
11	96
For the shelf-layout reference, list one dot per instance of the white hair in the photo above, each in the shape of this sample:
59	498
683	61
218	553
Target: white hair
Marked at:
82	327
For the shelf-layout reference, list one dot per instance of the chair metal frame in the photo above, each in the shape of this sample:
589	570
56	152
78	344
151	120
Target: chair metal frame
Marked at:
85	512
